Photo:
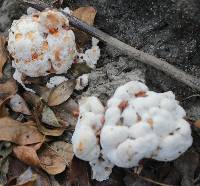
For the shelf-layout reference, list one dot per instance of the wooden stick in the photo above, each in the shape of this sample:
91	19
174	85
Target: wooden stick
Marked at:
181	76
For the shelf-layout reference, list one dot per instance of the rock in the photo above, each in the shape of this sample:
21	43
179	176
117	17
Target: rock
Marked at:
9	10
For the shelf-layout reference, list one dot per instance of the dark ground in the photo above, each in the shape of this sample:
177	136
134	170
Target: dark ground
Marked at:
168	29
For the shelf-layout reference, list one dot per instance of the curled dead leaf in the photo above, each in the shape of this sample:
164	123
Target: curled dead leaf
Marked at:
52	158
8	88
33	101
78	69
18	168
51	161
61	93
27	154
3	109
3	54
86	14
49	117
64	150
19	133
17	104
37	106
53	131
67	112
42	91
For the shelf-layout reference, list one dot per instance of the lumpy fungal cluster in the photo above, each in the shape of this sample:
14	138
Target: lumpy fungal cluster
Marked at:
137	124
42	42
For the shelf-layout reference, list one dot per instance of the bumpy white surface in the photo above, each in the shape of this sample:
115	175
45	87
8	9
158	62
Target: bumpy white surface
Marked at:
85	138
143	124
40	42
137	124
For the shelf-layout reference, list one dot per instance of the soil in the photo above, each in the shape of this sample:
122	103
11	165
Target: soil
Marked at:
167	29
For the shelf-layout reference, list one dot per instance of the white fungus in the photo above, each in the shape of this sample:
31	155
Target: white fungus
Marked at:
91	56
138	124
143	124
85	139
42	42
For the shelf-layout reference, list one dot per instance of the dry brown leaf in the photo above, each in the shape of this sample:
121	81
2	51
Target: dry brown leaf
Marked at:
86	14
49	117
17	104
61	93
36	106
19	133
42	91
197	123
27	154
67	112
36	146
16	170
78	69
64	150
48	158
44	130
33	101
3	109
3	54
51	132
8	88
51	161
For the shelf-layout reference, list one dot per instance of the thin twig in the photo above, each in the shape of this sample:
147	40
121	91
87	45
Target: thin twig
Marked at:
159	64
154	182
192	96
